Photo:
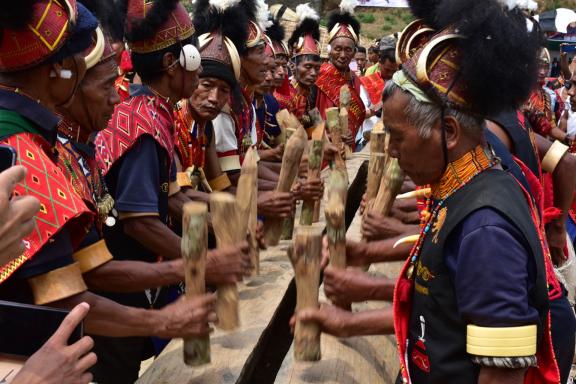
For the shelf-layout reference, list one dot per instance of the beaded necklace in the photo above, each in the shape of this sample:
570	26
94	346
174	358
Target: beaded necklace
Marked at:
191	144
458	174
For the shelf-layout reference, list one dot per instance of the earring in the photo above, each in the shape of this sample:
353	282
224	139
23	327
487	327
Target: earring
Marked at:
65	74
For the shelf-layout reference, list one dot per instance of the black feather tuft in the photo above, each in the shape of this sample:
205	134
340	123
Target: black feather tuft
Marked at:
276	31
109	15
307	26
16	14
232	23
499	56
251	8
343	18
424	9
148	26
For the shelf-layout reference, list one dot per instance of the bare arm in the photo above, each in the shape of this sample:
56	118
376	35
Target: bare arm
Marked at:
564	181
154	235
266	173
134	276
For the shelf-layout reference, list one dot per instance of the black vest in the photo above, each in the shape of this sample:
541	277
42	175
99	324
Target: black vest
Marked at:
434	308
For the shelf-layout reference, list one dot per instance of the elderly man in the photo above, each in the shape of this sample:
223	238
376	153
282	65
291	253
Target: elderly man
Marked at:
450	316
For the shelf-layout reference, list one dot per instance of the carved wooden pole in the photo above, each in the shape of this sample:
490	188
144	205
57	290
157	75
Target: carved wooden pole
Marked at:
389	187
314	168
288	223
229	228
305	258
333	124
376	165
343	113
193	246
290	165
247	200
335	212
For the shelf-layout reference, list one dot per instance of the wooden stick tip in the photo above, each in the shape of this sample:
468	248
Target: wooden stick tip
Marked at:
195	208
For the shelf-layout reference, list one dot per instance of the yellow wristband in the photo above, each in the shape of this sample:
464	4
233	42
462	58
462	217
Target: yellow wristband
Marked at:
501	341
183	179
220	183
553	156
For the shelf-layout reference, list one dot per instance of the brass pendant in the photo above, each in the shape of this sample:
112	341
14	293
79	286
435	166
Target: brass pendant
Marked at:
410	271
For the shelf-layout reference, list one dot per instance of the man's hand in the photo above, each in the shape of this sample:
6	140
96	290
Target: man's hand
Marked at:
556	236
228	265
330	150
348	140
377	227
330	319
57	362
355	253
308	189
16	214
275	204
260	234
347	285
187	317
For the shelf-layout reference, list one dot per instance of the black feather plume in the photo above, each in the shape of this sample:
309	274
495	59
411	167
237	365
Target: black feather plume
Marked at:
499	60
276	31
148	26
307	26
109	15
16	13
232	22
424	9
251	9
343	18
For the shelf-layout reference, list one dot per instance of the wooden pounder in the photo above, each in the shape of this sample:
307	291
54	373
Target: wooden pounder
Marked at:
290	165
305	258
194	247
230	229
376	164
288	223
333	125
247	200
314	168
389	187
335	212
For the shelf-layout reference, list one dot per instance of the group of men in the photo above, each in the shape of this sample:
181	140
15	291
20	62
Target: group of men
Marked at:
106	163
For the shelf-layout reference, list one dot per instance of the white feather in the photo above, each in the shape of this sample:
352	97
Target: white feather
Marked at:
262	15
530	5
305	11
222	5
347	6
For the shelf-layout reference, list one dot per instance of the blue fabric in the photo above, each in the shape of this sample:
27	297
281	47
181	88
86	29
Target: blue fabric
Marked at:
571	228
139	178
81	35
267	117
492	268
44	120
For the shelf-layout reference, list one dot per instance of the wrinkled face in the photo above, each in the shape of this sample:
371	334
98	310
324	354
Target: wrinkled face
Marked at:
387	69
572	92
421	159
210	97
254	65
307	72
342	52
280	70
360	58
94	102
267	86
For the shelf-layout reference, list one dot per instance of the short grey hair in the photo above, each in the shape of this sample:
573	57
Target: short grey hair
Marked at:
424	115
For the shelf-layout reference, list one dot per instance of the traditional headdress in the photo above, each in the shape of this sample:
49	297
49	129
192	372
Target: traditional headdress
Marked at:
101	49
306	36
458	55
155	25
33	31
222	31
257	13
342	23
276	34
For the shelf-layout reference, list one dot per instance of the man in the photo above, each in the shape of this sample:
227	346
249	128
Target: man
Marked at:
449	314
276	34
360	59
135	154
220	32
343	37
301	96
